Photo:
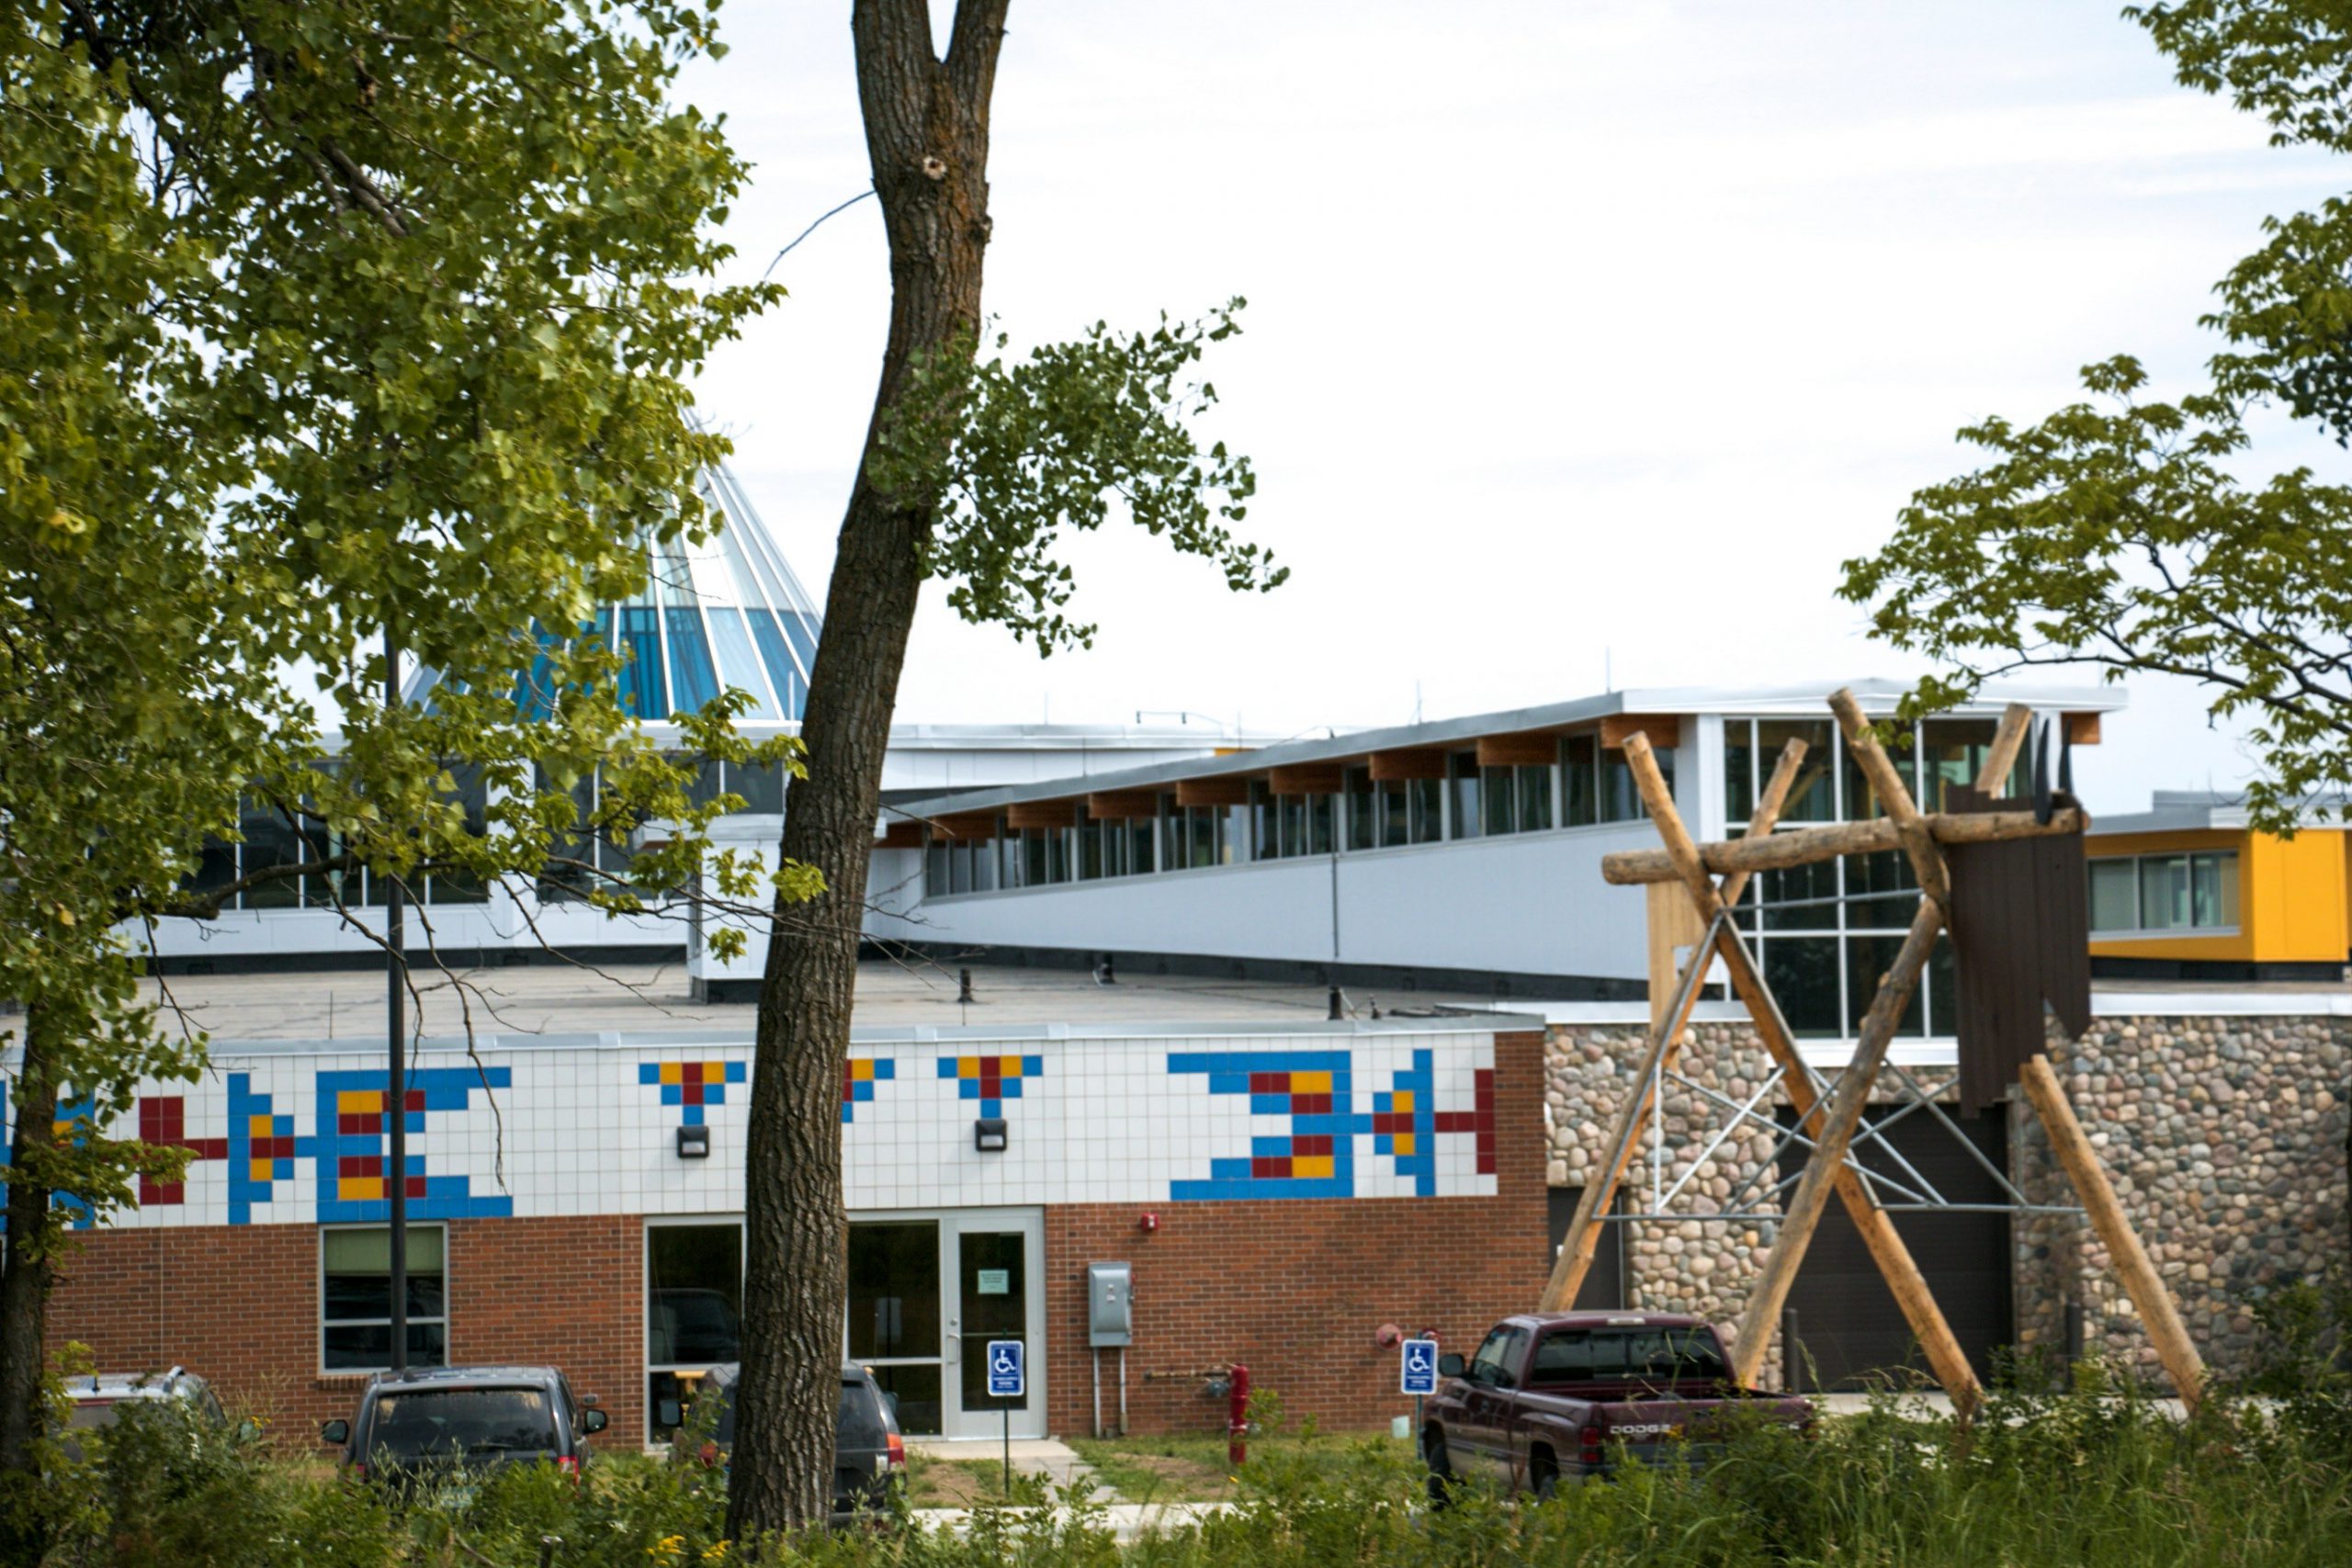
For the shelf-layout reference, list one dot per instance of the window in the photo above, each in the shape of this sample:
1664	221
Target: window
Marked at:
693	1307
1496	1363
1425	810
1363	810
1580	805
355	1297
2188	891
1463	784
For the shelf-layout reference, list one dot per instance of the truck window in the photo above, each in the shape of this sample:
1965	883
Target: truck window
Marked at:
1642	1355
1496	1363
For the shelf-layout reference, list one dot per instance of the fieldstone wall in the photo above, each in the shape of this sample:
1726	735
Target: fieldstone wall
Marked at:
2225	1138
1696	1264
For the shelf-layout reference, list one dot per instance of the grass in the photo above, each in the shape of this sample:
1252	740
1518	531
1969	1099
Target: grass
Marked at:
936	1482
1193	1468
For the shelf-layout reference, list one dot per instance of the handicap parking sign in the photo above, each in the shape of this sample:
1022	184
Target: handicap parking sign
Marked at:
1008	1378
1418	1373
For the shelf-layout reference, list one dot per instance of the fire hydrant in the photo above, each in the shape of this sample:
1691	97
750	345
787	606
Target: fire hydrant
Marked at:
1236	1420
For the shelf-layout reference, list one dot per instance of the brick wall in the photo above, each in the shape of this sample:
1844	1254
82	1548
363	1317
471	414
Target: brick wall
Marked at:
1295	1290
240	1305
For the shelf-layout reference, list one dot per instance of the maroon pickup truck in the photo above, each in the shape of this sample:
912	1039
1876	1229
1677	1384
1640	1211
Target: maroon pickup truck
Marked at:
1564	1396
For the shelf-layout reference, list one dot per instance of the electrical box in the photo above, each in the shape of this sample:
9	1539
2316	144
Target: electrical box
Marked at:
1110	1305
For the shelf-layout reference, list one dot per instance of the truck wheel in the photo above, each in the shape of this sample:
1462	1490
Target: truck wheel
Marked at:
1542	1477
1441	1469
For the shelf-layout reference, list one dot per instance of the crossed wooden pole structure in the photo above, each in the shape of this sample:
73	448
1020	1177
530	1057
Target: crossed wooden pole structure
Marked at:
1831	1127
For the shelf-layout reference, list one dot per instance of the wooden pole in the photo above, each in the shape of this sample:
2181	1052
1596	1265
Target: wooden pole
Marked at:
1810	846
1822	1171
1909	1286
2133	1265
2007	741
1946	1360
1861	743
1576	1249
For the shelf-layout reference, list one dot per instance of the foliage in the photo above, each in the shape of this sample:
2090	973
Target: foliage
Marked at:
1063	439
2083	1476
318	321
2121	534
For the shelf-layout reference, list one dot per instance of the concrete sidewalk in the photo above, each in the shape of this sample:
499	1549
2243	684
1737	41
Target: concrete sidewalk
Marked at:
1055	1461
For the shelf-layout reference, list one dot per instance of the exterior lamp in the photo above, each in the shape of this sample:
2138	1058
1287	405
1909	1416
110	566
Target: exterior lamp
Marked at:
694	1142
989	1135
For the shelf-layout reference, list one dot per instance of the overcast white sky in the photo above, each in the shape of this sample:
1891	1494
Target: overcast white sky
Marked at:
1577	332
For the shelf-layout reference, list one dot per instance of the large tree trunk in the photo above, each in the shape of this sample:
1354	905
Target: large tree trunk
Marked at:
24	1294
926	132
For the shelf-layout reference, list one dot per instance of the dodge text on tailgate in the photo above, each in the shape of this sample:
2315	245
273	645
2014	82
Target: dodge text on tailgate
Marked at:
1569	1396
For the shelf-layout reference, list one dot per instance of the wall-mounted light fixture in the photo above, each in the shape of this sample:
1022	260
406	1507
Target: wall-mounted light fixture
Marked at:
694	1142
989	1135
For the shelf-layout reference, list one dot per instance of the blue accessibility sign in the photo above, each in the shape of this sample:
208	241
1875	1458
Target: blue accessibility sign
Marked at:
1417	1373
1007	1369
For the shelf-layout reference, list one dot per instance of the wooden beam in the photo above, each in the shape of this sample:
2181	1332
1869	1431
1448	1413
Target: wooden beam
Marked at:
1777	790
1224	789
1308	778
1577	1249
1909	1286
1919	845
2133	1265
1408	763
2008	740
1673	924
1808	846
1042	813
1826	1165
1123	803
964	826
1663	730
899	835
2081	728
1529	748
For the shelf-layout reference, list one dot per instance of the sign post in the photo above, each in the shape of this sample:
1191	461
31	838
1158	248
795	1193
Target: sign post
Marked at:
1009	1379
1417	1375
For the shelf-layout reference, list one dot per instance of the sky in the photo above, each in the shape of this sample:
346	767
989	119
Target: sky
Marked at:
1584	342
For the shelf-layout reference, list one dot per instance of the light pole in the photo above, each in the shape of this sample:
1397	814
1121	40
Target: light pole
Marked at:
396	1085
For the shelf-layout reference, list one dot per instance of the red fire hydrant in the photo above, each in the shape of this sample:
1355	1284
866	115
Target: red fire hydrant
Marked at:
1236	1420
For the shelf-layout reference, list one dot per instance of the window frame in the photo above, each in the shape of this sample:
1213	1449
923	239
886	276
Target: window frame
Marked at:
319	1315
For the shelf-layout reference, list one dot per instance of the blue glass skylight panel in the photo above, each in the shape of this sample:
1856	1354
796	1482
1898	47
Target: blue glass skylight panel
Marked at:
693	683
802	630
737	666
780	670
642	693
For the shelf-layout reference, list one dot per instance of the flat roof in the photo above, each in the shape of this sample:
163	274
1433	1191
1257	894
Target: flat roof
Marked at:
531	1006
2198	810
1876	696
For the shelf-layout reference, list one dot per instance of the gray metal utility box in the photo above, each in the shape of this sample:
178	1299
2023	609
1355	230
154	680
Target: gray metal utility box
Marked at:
1110	1305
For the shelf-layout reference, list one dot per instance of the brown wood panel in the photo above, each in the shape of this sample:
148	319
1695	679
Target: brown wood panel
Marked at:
966	826
1664	730
2020	929
899	835
1042	813
1227	789
1123	804
1527	748
1308	778
2081	728
1846	1318
1408	762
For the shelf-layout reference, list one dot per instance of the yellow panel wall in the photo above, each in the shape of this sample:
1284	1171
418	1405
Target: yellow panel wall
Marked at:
2294	897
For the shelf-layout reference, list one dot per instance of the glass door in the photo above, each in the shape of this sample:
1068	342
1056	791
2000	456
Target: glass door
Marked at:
995	1262
895	1310
926	1294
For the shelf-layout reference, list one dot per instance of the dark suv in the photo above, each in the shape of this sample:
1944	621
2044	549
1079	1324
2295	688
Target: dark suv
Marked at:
869	1456
453	1421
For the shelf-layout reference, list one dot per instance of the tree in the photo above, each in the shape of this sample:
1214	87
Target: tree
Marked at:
2119	535
969	472
319	325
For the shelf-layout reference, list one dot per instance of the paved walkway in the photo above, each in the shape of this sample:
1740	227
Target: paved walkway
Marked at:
1060	1465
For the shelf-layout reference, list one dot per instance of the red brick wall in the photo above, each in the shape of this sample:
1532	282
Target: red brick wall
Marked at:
1295	1290
239	1304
